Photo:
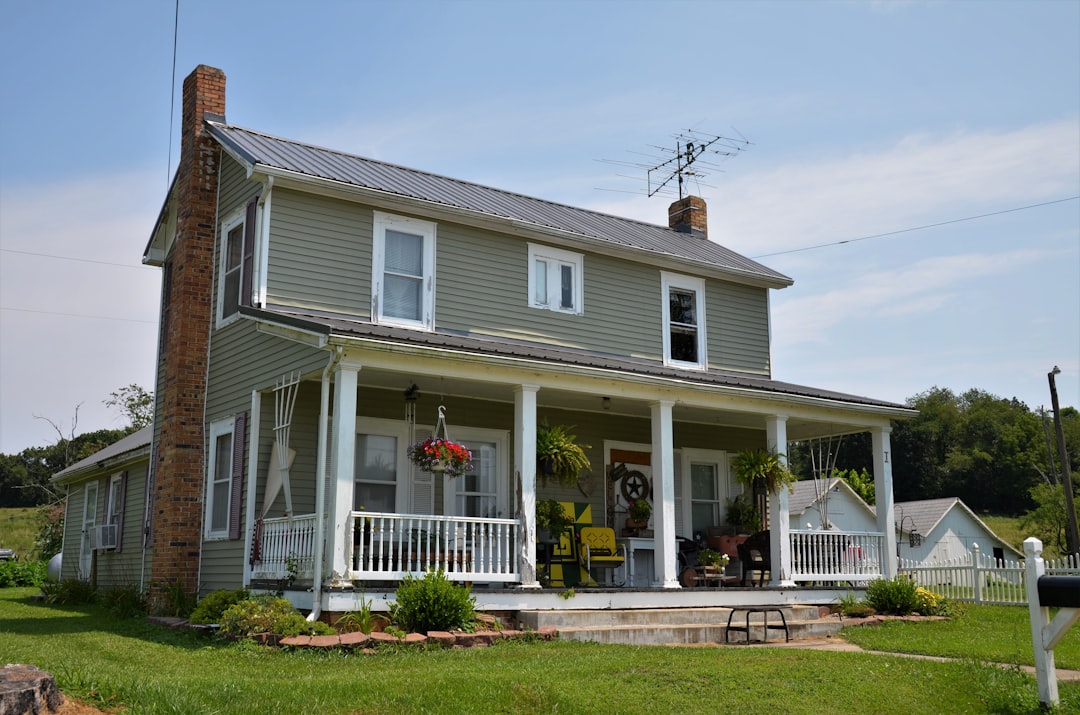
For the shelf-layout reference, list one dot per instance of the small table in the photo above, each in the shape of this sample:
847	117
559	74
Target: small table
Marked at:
764	611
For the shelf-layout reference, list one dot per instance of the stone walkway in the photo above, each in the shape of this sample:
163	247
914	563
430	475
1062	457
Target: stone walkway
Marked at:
838	644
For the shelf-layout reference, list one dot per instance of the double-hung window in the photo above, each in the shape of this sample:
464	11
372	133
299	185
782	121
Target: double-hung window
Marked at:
555	279
684	321
236	263
403	271
224	477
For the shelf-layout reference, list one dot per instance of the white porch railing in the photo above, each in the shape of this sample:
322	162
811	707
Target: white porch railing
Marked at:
980	578
386	547
285	546
836	555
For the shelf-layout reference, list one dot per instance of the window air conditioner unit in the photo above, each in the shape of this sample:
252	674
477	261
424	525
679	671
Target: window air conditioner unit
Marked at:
103	537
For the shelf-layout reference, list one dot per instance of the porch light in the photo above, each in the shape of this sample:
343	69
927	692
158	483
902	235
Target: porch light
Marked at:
914	539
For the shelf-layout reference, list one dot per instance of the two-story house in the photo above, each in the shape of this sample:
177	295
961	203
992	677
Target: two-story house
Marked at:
318	309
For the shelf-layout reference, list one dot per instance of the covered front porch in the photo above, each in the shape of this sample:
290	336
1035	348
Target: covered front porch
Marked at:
383	519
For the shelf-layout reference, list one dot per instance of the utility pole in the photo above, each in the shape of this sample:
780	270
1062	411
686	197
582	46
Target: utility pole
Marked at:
1072	538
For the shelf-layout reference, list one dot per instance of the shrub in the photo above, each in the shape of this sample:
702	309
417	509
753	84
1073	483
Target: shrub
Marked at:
69	592
21	573
895	596
123	601
210	608
363	620
852	607
432	603
268	614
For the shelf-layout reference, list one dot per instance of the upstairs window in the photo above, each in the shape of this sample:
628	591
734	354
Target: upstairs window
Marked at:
403	271
237	263
684	321
555	279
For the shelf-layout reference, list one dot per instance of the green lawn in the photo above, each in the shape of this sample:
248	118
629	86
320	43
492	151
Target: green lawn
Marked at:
990	633
149	669
18	529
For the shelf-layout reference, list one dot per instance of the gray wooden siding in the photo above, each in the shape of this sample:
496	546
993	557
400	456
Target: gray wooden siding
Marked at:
320	254
114	570
320	259
737	318
243	360
234	189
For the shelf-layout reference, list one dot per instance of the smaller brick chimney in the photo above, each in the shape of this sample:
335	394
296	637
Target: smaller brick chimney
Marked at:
688	215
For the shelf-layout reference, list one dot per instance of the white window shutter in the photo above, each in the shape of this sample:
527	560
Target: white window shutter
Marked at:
423	484
680	521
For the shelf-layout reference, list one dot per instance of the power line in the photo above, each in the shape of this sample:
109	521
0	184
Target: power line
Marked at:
79	315
916	228
77	260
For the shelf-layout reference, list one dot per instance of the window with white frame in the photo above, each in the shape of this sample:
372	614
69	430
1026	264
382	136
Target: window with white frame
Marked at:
219	479
376	473
556	278
403	271
236	262
484	491
684	321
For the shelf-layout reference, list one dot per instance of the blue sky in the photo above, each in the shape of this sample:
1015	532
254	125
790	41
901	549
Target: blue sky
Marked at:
865	118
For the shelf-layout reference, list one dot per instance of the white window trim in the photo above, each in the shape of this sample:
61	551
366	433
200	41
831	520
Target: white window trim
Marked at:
111	507
674	280
557	256
236	218
217	429
403	476
426	229
503	496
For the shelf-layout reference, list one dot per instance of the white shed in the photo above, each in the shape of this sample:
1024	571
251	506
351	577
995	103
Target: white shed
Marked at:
812	499
948	530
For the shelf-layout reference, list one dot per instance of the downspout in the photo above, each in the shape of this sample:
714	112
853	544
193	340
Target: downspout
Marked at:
320	486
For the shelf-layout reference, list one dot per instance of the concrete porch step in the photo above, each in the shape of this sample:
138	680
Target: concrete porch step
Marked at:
666	626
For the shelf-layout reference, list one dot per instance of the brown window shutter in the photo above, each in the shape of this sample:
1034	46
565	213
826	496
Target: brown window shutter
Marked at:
121	507
239	450
247	263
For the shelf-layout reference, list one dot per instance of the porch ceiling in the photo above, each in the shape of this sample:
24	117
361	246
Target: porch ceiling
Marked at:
798	428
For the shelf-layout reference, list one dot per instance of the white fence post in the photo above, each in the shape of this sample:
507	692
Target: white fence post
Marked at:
975	574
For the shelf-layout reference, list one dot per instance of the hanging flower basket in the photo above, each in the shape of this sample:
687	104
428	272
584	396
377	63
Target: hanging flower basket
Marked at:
440	454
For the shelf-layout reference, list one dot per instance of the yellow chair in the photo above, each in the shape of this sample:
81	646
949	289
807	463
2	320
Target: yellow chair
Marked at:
598	550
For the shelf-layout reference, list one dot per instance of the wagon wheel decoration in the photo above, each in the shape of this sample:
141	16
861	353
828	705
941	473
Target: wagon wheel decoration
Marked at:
635	485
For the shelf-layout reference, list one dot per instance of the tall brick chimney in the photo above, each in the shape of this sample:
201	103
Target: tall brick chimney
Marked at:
185	325
688	215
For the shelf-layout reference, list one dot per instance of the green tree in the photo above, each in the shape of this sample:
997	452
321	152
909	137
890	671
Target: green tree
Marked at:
1047	520
136	404
861	481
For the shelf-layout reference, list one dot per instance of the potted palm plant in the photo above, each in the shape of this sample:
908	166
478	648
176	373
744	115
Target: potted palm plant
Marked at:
558	455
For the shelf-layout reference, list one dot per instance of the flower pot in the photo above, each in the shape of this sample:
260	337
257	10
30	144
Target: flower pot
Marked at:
636	523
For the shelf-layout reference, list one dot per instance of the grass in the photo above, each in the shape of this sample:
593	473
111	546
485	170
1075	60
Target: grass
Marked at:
1008	528
990	633
140	668
18	529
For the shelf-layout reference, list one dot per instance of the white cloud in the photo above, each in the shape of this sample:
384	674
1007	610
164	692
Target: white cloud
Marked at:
922	287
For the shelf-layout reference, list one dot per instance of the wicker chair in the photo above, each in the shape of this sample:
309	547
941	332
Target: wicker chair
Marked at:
754	555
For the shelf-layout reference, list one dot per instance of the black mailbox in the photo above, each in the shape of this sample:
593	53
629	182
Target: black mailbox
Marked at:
1059	591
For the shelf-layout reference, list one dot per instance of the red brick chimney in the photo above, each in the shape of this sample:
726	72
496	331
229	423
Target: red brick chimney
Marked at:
185	324
688	215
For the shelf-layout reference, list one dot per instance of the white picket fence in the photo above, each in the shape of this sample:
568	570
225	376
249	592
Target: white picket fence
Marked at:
980	578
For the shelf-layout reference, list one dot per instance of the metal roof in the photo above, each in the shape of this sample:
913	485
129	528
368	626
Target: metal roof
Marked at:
263	150
127	447
504	347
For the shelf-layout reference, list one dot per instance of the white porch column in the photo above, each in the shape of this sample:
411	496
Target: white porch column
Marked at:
342	466
525	470
779	518
663	473
884	496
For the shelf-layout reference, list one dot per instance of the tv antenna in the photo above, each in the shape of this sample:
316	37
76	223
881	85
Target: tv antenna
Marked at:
694	152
